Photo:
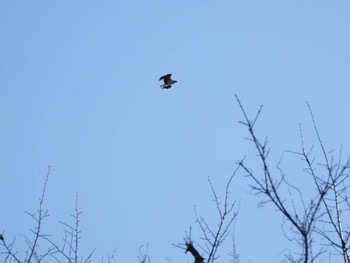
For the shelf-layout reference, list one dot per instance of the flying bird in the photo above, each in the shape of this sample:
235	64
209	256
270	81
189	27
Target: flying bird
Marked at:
167	81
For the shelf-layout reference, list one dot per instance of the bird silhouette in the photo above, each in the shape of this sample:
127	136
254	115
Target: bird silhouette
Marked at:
167	81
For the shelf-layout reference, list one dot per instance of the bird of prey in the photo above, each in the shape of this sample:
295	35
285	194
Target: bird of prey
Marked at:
167	81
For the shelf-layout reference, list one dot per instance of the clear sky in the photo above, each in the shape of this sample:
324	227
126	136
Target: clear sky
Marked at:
79	91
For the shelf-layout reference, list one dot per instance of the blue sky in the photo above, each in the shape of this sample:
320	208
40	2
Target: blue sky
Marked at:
80	92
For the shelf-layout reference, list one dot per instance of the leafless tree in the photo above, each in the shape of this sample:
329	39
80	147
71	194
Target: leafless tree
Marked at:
335	200
143	256
212	236
110	257
318	224
321	214
32	253
68	252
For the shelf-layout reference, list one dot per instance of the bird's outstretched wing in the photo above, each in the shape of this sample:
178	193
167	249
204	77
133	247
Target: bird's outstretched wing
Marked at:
166	77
